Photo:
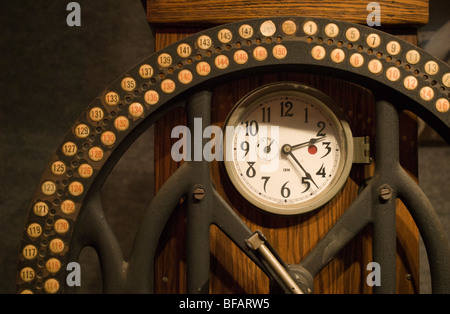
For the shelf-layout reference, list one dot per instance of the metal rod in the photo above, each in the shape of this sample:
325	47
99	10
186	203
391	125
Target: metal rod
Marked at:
199	201
258	245
384	213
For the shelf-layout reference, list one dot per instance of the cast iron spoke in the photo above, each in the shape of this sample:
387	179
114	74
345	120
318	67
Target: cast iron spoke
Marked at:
431	230
354	219
232	226
369	208
199	209
94	230
141	264
384	214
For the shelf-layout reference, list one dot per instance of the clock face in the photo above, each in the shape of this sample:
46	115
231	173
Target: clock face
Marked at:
287	149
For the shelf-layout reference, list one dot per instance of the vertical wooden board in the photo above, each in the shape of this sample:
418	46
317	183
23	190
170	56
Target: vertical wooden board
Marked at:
408	272
293	237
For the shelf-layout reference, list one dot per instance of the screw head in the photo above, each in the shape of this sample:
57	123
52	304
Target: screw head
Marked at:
385	193
199	194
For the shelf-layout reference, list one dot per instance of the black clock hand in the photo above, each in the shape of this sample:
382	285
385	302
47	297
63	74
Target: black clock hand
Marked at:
287	149
310	142
268	147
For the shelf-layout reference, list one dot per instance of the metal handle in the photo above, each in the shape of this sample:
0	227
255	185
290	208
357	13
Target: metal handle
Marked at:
256	243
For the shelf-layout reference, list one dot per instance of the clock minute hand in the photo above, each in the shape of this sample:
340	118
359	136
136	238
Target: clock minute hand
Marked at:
310	142
287	149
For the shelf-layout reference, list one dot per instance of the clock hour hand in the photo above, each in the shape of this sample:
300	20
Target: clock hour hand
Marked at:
310	142
267	148
287	149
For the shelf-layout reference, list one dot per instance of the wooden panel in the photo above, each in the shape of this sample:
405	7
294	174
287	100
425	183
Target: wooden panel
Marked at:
209	12
293	237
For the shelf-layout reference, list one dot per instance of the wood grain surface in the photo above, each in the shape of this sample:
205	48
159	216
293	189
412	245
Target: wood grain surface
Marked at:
211	12
292	237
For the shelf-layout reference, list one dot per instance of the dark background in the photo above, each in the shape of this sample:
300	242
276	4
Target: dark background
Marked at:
50	72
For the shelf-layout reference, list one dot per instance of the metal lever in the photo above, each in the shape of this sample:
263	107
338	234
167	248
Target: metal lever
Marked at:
256	243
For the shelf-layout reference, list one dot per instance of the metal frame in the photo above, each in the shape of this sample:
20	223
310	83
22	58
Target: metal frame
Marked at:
375	205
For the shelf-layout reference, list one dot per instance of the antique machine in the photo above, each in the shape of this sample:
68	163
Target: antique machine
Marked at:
294	171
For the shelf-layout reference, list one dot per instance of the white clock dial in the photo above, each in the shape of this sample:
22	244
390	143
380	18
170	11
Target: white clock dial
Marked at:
288	152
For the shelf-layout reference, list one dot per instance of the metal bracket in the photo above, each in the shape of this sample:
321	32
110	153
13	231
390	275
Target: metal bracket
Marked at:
361	147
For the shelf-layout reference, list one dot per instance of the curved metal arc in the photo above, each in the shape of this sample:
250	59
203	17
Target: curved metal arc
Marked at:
430	227
140	266
136	275
94	230
293	59
179	184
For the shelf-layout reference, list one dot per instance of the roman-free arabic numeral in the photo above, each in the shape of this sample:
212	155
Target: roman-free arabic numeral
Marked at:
321	125
251	128
251	172
327	147
245	146
266	179
285	191
265	114
321	171
307	183
286	107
